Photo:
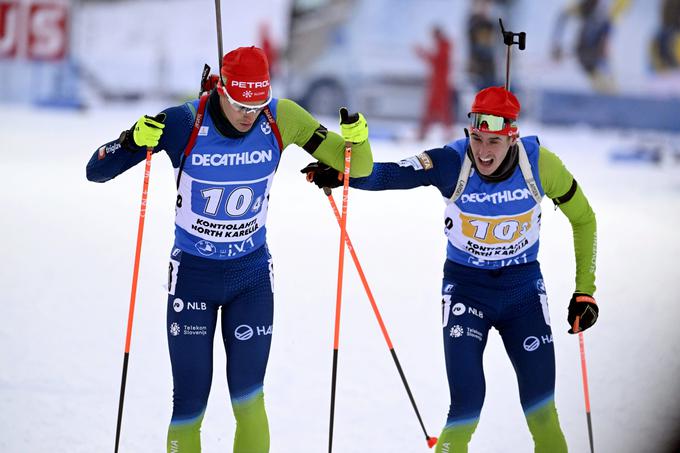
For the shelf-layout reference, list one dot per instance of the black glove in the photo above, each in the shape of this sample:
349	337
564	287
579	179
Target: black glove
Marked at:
322	175
583	312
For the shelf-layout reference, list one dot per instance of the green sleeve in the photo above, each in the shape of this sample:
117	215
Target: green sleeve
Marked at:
297	126
556	181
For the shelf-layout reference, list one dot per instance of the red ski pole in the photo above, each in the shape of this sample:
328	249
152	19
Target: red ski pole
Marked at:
133	293
586	393
338	300
431	441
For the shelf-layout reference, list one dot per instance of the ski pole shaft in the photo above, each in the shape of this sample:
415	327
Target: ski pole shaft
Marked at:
586	393
218	23
431	441
133	294
507	68
338	299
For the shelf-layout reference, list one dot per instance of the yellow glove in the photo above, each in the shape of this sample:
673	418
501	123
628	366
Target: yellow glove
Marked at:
148	130
353	127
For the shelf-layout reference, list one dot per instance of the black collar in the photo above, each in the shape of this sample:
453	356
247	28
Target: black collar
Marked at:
504	170
219	119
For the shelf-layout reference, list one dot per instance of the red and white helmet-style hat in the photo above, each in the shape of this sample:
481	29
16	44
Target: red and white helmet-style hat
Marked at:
495	110
245	71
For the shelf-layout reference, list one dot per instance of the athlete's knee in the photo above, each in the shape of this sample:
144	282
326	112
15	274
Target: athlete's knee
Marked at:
184	435
545	428
455	436
252	426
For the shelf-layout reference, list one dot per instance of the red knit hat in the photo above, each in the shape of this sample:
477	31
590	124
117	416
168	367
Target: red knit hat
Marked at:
246	73
496	101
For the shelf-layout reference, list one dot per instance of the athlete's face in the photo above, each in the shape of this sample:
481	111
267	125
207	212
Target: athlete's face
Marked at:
237	117
489	150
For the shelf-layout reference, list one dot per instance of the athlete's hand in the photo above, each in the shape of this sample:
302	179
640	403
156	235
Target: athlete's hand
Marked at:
583	312
209	83
148	130
353	127
322	175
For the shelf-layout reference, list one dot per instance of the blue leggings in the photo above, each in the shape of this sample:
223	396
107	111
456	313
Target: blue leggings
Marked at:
514	301
239	292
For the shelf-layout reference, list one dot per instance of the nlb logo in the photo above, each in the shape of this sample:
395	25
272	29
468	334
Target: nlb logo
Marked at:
178	305
458	309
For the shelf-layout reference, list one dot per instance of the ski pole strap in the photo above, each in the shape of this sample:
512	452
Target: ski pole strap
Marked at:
274	126
463	176
525	166
194	133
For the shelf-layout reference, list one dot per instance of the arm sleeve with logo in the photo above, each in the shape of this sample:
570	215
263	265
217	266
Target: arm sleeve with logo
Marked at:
297	126
111	159
437	167
556	181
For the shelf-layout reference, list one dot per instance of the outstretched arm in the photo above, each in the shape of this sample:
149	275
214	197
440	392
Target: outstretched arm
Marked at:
437	167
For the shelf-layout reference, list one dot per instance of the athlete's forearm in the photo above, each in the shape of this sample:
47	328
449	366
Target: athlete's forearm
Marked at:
389	176
112	158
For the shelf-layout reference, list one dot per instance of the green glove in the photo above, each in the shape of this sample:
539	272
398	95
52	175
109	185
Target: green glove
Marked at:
148	130
353	127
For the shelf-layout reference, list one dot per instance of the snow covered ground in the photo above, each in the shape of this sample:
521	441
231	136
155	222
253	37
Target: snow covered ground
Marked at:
67	266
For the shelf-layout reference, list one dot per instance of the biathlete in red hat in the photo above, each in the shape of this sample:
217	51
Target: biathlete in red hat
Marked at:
492	184
225	164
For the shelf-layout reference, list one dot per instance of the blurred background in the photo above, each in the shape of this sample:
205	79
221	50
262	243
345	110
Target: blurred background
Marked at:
599	82
411	66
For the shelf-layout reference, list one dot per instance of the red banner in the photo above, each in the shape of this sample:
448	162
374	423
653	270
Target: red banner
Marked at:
9	28
47	30
37	30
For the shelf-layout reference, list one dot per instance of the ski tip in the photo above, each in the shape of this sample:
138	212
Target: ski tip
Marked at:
431	441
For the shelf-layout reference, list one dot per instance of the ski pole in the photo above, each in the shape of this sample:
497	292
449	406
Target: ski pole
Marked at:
338	299
586	393
133	293
431	441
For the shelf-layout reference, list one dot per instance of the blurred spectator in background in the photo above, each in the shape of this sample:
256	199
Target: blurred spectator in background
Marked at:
481	40
438	105
665	51
270	50
597	19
